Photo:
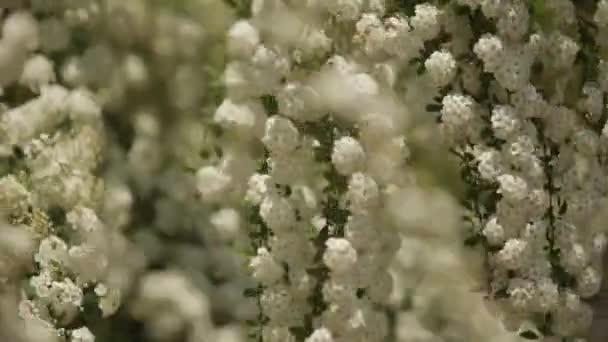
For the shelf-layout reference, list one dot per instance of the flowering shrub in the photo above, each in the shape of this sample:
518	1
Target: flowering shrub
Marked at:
301	170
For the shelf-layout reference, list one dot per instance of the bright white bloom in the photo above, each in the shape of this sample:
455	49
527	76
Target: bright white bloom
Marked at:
277	213
242	39
281	136
259	186
37	72
426	21
494	232
21	30
212	183
505	121
362	194
601	13
513	255
490	50
513	188
441	66
320	335
513	21
348	156
339	256
457	110
226	222
588	282
241	117
265	268
82	335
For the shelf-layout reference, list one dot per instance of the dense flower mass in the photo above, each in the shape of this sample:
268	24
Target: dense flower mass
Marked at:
302	170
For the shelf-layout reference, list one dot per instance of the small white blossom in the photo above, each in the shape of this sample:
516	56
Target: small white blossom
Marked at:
82	335
277	213
320	335
243	37
281	136
363	193
512	255
426	21
339	256
264	267
513	188
348	156
212	183
441	66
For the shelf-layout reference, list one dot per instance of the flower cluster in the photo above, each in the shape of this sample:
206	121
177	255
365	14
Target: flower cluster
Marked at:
51	140
529	133
287	170
83	152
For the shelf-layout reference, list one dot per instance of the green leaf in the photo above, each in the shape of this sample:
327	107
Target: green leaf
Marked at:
529	335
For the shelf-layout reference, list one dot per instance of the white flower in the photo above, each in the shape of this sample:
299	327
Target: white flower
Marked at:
492	8
259	186
490	50
82	107
84	219
562	50
494	233
212	183
241	117
363	194
41	284
521	294
601	13
277	334
505	122
513	20
598	243
13	195
66	292
320	335
265	268
513	188
441	66
226	222
243	38
547	294
575	258
299	102
277	213
82	334
339	292
281	306
52	250
21	30
380	290
426	21
340	256
457	110
512	256
348	156
375	127
37	72
400	40
281	136
489	166
588	282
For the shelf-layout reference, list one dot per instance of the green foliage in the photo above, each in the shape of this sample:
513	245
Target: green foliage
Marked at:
242	8
270	104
